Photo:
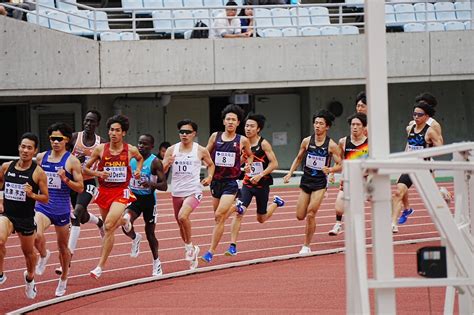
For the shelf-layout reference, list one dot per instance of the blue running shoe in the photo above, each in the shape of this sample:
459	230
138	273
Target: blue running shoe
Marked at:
402	219
408	212
207	257
280	202
240	207
232	251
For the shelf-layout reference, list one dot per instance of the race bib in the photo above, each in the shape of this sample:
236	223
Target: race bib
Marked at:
136	183
182	167
54	181
415	147
315	162
256	168
14	192
117	174
225	159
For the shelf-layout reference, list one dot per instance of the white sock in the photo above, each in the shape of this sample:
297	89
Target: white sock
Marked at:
189	246
73	237
93	219
157	260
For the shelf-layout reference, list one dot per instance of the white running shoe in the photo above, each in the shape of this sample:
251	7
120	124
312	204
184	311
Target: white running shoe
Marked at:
136	245
127	226
42	261
188	252
195	261
3	278
394	228
96	273
30	287
446	195
157	271
336	229
305	250
61	289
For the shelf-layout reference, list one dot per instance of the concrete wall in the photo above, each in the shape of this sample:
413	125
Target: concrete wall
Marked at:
56	63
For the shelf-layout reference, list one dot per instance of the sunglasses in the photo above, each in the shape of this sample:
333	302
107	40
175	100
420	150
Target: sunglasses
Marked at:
185	132
415	114
57	138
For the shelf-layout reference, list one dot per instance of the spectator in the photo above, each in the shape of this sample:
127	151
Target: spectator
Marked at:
227	25
17	14
248	22
3	11
162	150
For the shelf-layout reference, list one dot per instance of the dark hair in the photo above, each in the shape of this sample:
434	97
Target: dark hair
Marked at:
327	115
165	144
183	122
65	129
120	119
30	136
361	116
260	119
428	98
149	136
232	108
361	97
93	111
427	108
231	3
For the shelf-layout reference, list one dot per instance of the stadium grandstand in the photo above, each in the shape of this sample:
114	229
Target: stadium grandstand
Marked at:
161	61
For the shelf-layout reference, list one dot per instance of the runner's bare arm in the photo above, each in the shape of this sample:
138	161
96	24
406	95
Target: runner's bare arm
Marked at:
335	151
206	158
157	170
211	142
96	155
134	153
72	141
2	172
272	165
74	167
39	176
39	158
434	138
168	159
246	149
297	160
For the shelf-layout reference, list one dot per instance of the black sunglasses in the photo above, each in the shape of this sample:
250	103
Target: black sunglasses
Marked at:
185	132
57	138
415	114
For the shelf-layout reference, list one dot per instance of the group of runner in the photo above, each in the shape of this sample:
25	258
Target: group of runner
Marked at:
39	194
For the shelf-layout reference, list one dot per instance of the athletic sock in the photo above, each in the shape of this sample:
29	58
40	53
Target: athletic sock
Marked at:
73	237
93	219
188	246
338	217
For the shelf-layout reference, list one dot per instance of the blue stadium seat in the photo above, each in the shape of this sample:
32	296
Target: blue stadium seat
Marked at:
173	3
444	11
151	5
60	4
330	30
434	26
192	3
300	16
404	13
349	30
109	36
129	36
213	3
79	23
319	16
162	21
183	20
127	5
289	32
390	15
281	17
424	12
102	21
463	10
58	21
414	27
42	19
263	19
45	5
201	15
355	3
454	26
271	32
310	31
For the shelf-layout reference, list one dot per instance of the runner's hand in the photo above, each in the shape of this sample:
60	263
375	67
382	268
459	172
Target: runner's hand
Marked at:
103	174
286	178
255	179
206	181
28	190
136	174
331	178
62	175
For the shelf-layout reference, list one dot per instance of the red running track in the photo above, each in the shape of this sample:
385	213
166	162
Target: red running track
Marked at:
281	235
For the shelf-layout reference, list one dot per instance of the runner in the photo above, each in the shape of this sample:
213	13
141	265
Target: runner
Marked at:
354	146
83	143
420	136
225	148
152	178
64	174
256	182
317	150
114	175
185	158
21	180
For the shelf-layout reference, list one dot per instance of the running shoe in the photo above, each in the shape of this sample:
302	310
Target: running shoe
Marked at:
240	207
59	270
336	229
157	271
127	226
446	195
305	250
61	289
232	251
96	273
30	287
207	257
195	261
404	217
101	228
394	228
188	252
3	278
42	261
135	250
279	201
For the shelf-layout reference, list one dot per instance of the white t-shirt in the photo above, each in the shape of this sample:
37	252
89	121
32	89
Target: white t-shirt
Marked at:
222	26
185	180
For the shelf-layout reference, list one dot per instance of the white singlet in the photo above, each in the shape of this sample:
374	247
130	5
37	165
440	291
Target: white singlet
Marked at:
185	179
430	121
